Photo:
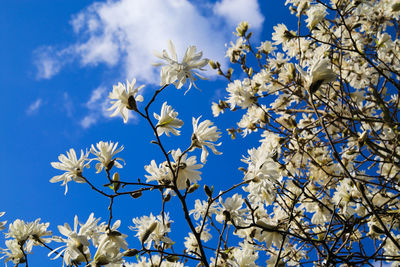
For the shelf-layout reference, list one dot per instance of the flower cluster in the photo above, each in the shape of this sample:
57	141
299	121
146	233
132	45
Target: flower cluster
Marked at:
22	237
77	240
73	167
183	171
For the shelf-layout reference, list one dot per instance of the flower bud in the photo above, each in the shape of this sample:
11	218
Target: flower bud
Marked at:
376	229
265	225
132	103
227	215
148	232
116	183
249	35
396	6
362	138
113	233
167	198
193	188
229	73
242	28
212	65
242	169
131	252
136	194
250	71
208	191
172	258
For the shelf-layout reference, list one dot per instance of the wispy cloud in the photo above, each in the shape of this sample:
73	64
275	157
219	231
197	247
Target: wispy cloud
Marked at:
34	107
125	33
49	61
68	105
97	107
235	11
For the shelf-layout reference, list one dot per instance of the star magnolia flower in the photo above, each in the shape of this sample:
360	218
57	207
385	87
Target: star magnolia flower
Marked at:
160	173
318	74
22	231
13	252
188	169
153	229
124	98
76	248
245	255
281	34
315	14
201	208
72	166
2	224
109	246
178	72
233	205
113	235
167	121
203	136
105	154
266	47
235	50
191	244
107	253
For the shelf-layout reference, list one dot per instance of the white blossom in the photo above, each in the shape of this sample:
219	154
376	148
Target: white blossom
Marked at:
168	121
153	229
204	135
13	252
316	13
3	223
237	49
124	98
266	47
281	34
200	209
76	248
319	73
104	154
34	231
191	243
187	168
160	173
177	72
109	246
240	94
72	166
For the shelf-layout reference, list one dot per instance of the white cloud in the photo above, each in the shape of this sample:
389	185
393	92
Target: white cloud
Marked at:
88	121
97	106
34	107
235	11
125	33
68	105
49	60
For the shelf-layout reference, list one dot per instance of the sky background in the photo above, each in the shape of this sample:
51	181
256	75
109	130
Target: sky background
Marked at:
59	61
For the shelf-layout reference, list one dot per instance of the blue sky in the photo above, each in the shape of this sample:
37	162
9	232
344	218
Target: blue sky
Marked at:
60	60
